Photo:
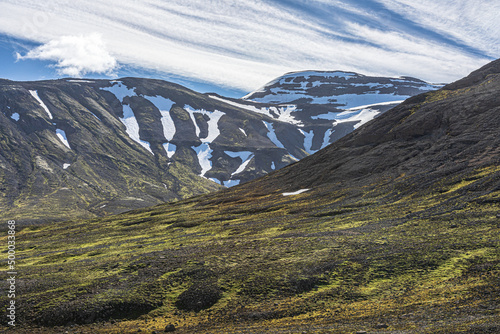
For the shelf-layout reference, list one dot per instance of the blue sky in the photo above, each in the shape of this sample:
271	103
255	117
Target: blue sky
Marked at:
233	47
36	69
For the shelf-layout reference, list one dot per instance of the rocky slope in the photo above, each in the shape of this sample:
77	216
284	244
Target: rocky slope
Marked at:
393	228
76	148
427	137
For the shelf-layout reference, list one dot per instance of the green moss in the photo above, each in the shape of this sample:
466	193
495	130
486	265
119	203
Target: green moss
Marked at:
317	258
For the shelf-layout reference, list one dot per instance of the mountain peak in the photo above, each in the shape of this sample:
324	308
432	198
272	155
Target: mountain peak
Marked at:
340	89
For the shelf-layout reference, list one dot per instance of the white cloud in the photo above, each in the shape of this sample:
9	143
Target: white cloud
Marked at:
471	22
244	44
75	55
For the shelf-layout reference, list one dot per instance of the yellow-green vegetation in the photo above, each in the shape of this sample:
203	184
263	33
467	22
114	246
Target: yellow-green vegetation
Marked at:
380	258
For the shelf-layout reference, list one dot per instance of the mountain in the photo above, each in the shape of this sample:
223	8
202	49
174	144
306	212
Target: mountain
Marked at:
393	228
338	88
69	148
82	148
327	105
425	138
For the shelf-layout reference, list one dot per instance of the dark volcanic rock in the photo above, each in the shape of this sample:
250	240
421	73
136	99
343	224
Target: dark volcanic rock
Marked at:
199	296
169	328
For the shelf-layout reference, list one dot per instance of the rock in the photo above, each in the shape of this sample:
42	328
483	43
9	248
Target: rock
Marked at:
361	332
199	296
381	325
169	328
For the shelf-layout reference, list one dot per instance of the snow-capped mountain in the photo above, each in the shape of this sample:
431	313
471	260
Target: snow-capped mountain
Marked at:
325	106
337	96
97	146
344	90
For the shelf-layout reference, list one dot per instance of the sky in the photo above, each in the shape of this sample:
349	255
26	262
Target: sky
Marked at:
233	47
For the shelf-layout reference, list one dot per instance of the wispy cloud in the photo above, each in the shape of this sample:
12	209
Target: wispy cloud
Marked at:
75	56
473	23
245	44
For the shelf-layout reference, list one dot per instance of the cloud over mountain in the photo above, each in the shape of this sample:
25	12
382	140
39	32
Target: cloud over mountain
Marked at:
75	55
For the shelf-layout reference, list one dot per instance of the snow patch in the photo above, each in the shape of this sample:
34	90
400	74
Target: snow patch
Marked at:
282	112
80	81
272	135
34	93
164	105
242	166
132	127
236	104
273	166
372	85
331	115
326	138
204	154
245	157
231	183
377	104
362	117
213	126
354	100
65	166
345	101
170	149
308	141
15	116
295	192
243	132
62	136
215	180
285	114
120	90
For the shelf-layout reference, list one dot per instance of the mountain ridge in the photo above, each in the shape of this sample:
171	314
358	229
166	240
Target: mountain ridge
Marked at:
163	141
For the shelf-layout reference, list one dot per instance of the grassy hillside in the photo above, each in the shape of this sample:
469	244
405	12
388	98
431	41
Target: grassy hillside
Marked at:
398	233
319	262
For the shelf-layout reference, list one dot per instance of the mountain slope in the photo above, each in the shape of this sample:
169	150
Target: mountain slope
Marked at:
396	232
67	151
82	148
429	136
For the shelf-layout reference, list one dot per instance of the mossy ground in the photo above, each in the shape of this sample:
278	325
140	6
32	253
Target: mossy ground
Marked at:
380	258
